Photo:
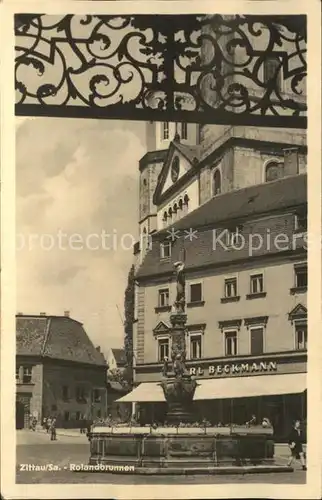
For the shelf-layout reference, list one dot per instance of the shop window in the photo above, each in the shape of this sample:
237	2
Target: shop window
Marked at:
27	374
256	284
184	131
300	337
274	171
165	131
196	293
53	407
78	415
300	271
272	72
300	222
231	343
66	416
257	340
195	346
216	182
96	396
165	250
80	395
230	288
163	297
65	392
163	349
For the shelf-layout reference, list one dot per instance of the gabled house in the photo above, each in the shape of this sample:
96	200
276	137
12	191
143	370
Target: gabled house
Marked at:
59	372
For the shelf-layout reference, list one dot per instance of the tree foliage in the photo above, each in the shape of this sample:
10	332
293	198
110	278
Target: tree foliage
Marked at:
129	314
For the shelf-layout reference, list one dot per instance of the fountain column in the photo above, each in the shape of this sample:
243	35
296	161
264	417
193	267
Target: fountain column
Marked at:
178	385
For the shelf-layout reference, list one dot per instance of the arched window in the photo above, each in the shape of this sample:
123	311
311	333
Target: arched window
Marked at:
274	171
180	204
170	213
165	131
175	211
184	131
216	189
185	203
144	240
165	218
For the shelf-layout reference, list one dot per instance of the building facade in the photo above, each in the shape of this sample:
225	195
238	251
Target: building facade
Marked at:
246	292
116	359
59	372
231	202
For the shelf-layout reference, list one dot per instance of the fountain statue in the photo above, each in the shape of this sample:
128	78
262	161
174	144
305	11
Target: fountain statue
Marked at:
180	302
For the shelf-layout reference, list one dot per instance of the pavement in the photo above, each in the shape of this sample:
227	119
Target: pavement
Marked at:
57	458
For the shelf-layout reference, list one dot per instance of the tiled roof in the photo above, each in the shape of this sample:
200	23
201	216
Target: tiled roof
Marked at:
30	334
119	355
56	337
227	211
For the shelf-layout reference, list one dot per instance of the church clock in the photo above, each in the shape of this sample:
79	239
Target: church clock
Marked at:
175	169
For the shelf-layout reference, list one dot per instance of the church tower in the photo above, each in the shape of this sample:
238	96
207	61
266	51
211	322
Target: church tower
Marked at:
159	135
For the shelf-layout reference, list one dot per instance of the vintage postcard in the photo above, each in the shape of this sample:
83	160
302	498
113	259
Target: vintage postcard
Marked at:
161	250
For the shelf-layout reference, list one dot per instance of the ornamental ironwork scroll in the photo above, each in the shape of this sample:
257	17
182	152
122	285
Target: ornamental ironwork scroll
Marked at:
197	68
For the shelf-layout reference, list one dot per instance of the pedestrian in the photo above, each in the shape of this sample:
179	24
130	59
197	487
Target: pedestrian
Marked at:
44	423
34	423
53	436
48	424
88	429
266	422
252	421
295	442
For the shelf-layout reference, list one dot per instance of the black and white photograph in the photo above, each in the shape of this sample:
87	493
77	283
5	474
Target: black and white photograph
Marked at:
163	252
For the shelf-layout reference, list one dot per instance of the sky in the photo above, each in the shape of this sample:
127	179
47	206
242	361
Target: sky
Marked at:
76	196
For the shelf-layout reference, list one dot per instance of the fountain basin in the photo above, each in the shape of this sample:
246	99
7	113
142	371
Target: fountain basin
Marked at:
169	450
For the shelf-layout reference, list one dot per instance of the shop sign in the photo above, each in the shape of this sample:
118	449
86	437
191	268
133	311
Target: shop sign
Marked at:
235	368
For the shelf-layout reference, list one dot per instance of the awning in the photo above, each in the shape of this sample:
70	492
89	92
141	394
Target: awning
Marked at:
147	392
245	387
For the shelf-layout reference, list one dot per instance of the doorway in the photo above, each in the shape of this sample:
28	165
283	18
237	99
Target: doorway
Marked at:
20	415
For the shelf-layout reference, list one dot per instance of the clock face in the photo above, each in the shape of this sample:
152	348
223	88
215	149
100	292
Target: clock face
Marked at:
175	169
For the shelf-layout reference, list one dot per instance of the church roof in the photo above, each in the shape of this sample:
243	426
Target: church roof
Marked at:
56	337
246	202
222	212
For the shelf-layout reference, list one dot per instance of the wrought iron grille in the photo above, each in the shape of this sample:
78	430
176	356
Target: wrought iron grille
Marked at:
195	68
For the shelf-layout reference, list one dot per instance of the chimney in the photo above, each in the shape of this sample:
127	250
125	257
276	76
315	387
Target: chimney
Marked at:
98	348
19	313
42	314
291	161
66	314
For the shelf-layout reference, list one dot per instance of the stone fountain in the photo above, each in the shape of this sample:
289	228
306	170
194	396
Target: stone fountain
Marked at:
177	448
